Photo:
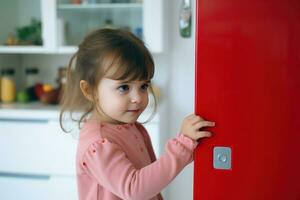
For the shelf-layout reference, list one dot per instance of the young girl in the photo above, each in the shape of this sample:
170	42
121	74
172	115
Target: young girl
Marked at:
110	84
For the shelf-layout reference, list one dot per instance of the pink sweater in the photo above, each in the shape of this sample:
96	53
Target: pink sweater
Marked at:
117	162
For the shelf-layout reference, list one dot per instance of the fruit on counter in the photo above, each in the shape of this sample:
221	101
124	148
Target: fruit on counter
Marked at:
38	90
45	93
27	95
23	97
50	97
47	87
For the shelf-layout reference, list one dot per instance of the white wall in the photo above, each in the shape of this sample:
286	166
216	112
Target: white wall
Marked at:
180	94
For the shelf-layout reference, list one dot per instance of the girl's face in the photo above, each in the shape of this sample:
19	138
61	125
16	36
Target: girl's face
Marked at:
121	101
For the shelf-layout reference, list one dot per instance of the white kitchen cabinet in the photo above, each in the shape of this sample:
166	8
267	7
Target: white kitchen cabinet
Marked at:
65	24
18	13
75	20
36	146
18	187
37	159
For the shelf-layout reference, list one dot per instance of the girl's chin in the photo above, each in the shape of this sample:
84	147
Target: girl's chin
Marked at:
127	120
131	119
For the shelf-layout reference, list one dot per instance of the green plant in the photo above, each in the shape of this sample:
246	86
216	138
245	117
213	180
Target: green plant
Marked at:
30	34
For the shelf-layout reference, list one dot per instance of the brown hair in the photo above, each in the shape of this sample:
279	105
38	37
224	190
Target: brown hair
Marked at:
116	54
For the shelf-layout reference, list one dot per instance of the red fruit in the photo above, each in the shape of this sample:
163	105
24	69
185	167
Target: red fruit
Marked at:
50	97
38	90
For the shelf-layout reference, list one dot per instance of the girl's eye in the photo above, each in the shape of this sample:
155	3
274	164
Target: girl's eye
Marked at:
145	86
123	88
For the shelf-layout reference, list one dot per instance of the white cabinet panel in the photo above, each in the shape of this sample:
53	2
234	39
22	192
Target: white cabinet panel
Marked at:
36	146
18	187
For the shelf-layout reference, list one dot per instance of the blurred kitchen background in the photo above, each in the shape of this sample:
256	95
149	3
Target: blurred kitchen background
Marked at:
37	39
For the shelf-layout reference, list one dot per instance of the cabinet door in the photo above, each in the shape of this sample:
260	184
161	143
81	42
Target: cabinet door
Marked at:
30	26
15	187
248	80
36	147
74	21
153	25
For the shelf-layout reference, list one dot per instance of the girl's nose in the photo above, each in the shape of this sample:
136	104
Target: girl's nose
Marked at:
136	97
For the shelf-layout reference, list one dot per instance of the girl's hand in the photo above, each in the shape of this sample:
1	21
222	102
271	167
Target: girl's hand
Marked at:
192	124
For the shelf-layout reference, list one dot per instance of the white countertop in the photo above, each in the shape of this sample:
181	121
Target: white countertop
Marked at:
34	110
39	111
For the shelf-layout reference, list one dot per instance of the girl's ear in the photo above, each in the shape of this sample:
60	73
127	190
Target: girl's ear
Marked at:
84	86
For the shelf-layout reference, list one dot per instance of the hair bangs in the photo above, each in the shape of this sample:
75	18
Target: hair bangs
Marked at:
129	63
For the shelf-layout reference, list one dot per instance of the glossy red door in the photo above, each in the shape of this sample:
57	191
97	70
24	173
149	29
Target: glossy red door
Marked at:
248	82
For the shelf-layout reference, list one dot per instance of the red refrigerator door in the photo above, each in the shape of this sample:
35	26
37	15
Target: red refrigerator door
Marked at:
248	82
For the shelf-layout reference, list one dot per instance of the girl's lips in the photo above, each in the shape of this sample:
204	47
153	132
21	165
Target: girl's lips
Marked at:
133	110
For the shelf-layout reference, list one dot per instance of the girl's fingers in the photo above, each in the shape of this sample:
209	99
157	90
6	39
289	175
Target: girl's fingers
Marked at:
203	124
195	119
201	134
190	117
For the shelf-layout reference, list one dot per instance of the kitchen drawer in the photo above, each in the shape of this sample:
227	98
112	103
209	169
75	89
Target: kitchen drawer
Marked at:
26	187
36	147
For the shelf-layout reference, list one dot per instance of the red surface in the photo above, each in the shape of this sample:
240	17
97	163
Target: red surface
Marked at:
248	82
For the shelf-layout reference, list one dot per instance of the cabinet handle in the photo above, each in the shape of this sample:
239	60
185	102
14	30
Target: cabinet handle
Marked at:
24	176
38	121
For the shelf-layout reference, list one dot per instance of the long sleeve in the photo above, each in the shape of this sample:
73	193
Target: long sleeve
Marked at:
109	165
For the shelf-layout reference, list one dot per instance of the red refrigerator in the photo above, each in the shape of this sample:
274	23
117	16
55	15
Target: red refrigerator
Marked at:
248	82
